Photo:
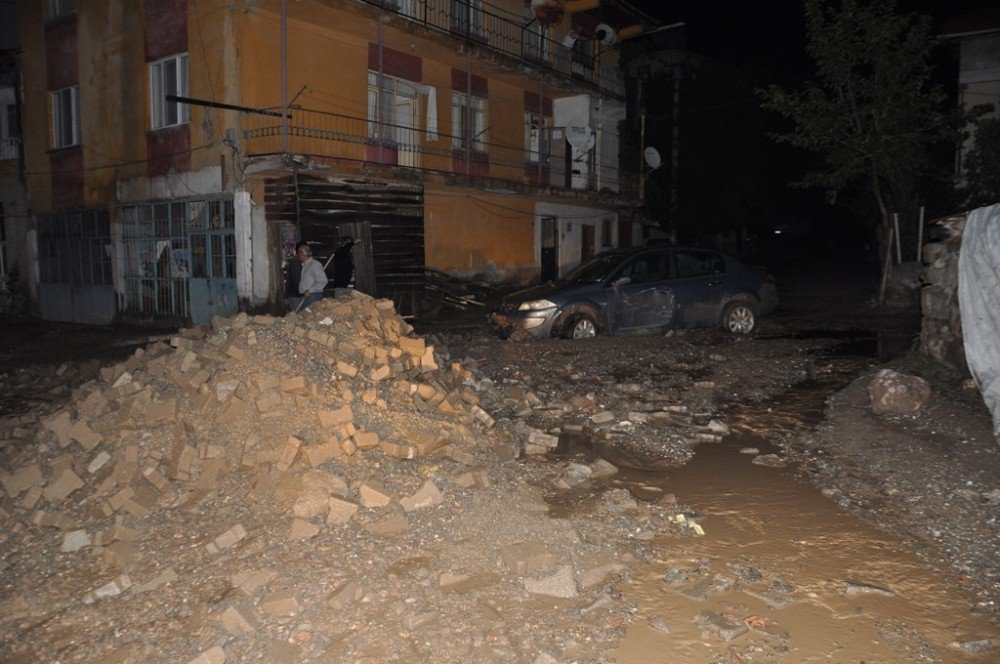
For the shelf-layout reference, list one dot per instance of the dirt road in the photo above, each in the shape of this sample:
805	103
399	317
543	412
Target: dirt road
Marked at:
689	498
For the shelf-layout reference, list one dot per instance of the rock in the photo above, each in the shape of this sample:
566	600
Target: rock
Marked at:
894	393
769	460
852	589
560	584
659	624
721	626
974	645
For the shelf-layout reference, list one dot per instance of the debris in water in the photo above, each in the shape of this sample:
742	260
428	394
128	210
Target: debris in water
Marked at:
852	589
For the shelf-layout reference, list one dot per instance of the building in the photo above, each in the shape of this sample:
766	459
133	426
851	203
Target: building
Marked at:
187	145
978	37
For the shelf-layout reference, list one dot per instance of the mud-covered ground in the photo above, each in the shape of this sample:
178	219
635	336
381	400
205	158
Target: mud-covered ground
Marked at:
893	559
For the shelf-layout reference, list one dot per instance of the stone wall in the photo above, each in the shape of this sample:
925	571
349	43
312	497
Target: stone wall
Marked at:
941	326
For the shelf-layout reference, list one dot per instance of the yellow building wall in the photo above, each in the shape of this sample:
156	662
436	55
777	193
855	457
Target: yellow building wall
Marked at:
471	232
35	118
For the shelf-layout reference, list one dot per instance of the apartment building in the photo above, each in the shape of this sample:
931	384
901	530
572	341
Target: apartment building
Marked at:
187	145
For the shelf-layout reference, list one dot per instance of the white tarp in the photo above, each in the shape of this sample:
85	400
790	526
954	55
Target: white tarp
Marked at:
979	302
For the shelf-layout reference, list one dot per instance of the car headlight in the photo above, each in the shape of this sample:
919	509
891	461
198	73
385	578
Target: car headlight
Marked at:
536	305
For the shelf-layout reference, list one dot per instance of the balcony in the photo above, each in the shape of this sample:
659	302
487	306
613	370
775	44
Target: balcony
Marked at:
485	27
356	143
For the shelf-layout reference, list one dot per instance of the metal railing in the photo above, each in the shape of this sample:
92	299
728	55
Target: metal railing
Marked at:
480	23
354	139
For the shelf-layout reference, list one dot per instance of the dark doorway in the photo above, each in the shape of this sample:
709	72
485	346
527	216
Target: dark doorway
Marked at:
550	249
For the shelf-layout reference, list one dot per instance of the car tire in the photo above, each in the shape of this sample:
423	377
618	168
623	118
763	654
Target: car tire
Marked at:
580	326
739	317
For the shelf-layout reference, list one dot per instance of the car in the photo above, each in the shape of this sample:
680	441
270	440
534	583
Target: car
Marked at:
647	289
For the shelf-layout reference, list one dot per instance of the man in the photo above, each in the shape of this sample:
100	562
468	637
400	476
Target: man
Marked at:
313	279
293	272
343	265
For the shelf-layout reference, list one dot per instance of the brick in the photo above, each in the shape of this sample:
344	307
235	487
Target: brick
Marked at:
345	595
365	440
214	655
227	539
98	462
477	479
66	483
330	418
558	584
238	618
208	451
390	526
265	382
156	479
414	347
603	417
139	505
527	557
60	424
346	369
235	352
302	529
374	495
317	487
289	454
317	455
283	602
118	500
380	373
341	511
398	450
250	582
162	579
234	411
30	498
75	540
369	396
427	496
181	457
427	361
119	554
484	417
22	479
161	411
297	385
348	446
93	405
44	519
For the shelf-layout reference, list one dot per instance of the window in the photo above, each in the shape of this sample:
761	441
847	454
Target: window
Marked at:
59	8
65	117
698	263
169	77
399	104
467	17
654	266
75	248
536	136
461	130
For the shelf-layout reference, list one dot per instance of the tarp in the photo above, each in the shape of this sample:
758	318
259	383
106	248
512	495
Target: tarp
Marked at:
979	303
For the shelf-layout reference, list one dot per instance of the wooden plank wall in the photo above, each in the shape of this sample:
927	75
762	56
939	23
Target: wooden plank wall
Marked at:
390	213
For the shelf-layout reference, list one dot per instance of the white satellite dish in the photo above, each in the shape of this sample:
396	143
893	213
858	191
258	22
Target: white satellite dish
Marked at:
605	34
547	12
652	157
580	136
570	39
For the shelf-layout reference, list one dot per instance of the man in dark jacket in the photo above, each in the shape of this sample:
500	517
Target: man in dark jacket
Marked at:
343	264
293	272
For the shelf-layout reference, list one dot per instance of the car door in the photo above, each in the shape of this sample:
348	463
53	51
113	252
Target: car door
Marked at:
698	280
640	295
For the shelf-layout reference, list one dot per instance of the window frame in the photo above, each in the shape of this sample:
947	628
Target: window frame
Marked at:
536	126
159	107
58	125
58	8
476	139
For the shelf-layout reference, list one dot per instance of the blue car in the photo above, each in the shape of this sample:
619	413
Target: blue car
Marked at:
647	290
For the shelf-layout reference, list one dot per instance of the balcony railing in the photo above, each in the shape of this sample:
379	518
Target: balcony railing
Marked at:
354	139
481	24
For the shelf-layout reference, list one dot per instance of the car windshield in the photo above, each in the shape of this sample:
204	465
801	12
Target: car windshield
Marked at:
595	269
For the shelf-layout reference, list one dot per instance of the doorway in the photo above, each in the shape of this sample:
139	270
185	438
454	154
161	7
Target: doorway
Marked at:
550	249
212	286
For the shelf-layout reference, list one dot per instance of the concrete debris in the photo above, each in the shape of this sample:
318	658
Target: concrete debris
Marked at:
894	393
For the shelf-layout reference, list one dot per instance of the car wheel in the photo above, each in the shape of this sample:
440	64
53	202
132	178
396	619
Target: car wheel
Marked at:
581	326
739	318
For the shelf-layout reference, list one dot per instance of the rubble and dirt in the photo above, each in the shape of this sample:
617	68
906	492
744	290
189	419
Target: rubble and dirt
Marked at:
332	487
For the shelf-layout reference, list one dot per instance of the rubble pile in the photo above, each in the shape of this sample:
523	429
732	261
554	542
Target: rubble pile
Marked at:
941	325
319	487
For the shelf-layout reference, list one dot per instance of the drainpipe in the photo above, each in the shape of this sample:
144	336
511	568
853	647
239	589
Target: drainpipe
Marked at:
600	136
284	78
380	128
468	112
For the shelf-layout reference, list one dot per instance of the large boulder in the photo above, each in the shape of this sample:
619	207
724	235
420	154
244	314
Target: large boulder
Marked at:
894	393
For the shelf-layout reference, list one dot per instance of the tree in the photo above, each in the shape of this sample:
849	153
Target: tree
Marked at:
981	165
871	112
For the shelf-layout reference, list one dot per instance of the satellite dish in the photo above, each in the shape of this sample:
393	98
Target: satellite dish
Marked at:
605	34
547	12
652	157
580	136
570	39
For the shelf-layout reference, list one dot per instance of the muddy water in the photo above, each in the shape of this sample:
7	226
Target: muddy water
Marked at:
816	583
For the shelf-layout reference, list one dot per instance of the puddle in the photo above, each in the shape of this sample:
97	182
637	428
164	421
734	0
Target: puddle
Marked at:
780	555
883	344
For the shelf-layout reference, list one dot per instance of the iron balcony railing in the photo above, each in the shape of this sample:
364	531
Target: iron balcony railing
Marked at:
524	40
542	162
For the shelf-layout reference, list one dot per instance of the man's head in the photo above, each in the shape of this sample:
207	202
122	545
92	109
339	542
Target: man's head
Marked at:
349	241
304	252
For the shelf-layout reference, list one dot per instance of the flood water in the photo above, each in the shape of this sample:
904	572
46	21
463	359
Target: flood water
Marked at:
816	582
